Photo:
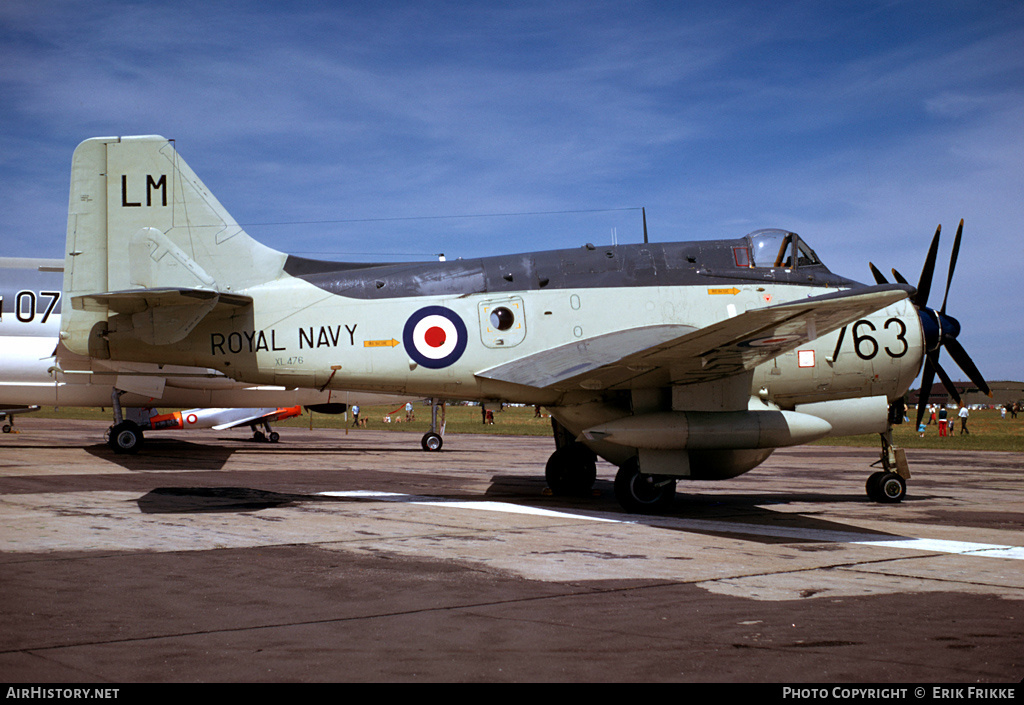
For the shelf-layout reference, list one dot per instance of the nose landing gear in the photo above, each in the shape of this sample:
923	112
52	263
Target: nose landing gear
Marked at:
889	485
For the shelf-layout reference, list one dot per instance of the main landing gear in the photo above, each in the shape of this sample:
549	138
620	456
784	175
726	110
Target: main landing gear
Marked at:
125	438
433	440
889	485
571	470
642	493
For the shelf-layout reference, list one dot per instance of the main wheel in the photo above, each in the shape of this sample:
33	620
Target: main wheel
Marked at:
432	441
571	470
642	493
125	438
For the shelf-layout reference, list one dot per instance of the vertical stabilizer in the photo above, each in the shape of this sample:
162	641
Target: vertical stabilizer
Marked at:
139	218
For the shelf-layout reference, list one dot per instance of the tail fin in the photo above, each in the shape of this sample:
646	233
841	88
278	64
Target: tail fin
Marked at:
139	220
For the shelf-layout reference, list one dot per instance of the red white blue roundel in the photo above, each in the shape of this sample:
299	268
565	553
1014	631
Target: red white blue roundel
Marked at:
435	337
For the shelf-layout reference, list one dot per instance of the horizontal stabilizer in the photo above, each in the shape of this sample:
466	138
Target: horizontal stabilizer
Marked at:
139	300
159	316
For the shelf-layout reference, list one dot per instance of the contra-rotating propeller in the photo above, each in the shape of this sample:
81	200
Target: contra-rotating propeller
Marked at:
939	329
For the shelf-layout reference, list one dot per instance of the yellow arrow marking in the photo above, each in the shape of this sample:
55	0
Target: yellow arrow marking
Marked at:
380	343
732	291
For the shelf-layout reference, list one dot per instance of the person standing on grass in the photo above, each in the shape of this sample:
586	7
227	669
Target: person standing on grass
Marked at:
963	414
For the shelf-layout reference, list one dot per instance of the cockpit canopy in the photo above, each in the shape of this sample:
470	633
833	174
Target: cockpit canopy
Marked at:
779	248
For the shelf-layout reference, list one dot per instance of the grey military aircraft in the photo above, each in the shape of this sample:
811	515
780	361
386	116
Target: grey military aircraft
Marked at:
681	360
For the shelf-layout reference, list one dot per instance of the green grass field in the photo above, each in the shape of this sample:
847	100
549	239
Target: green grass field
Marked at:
988	430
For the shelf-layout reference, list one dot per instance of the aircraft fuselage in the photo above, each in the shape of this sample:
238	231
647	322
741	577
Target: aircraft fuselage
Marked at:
345	326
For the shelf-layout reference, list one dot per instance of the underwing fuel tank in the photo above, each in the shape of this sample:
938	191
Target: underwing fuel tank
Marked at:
707	430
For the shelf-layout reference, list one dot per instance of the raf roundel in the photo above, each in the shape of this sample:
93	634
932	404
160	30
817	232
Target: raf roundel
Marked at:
434	337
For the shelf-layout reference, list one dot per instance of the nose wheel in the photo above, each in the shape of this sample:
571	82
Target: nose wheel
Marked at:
886	487
889	485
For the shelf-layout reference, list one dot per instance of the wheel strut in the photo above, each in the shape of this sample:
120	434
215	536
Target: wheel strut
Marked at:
889	485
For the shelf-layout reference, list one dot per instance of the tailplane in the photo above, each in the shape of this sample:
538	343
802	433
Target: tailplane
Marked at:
147	242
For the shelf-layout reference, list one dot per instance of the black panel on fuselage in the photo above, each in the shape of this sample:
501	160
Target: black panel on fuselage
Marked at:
702	263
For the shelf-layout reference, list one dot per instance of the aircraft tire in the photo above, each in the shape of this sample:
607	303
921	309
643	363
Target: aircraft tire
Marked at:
891	488
431	442
641	493
872	486
274	436
571	470
7	428
126	438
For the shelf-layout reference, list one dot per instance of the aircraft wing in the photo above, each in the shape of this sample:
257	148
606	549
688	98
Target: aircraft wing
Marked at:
275	415
675	354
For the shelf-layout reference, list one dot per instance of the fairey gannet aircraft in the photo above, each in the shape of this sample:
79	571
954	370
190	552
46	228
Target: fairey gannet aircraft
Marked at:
35	371
686	360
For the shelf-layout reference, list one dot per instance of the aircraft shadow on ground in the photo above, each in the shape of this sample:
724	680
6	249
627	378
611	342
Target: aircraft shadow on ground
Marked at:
175	454
732	516
167	455
200	500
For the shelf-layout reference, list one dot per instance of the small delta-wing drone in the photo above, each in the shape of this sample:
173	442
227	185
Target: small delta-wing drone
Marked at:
217	419
688	360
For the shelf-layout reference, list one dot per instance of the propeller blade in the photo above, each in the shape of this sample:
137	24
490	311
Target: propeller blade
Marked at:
899	277
952	263
924	285
960	356
879	277
927	377
946	381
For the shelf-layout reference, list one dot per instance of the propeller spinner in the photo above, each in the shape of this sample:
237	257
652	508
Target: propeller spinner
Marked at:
940	330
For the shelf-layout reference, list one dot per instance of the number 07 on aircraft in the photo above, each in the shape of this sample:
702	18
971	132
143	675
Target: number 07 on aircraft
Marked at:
673	361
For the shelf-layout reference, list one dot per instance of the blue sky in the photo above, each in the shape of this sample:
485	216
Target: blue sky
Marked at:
354	130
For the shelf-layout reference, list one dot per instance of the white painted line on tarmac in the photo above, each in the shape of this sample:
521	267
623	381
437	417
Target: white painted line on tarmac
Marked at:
963	548
486	506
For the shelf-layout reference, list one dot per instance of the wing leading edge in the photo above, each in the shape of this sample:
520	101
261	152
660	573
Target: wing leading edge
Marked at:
661	355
